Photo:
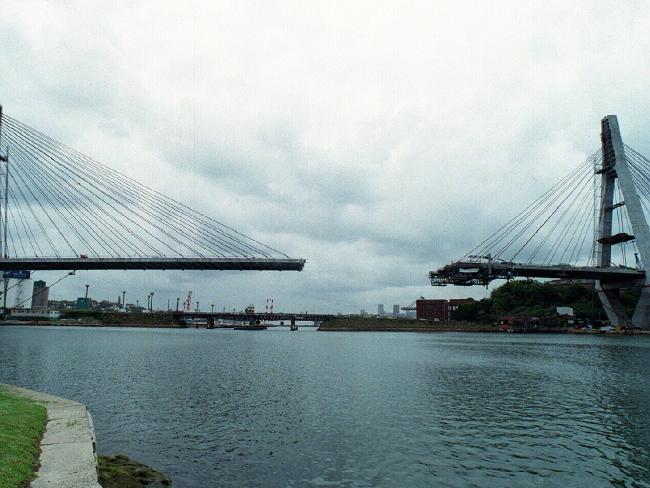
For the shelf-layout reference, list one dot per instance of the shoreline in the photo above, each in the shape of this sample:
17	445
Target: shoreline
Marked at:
349	324
432	330
406	329
360	324
68	446
100	326
67	450
15	323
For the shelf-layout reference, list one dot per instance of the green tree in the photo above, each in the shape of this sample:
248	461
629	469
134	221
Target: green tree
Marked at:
537	299
479	311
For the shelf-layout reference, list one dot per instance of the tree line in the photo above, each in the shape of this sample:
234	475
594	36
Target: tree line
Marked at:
539	299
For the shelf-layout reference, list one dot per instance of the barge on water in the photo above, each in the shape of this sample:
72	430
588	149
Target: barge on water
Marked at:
251	327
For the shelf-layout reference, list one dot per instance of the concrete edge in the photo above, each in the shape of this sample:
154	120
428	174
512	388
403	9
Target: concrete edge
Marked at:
68	448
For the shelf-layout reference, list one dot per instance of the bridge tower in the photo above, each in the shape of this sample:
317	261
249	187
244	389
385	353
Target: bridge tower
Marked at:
4	213
615	169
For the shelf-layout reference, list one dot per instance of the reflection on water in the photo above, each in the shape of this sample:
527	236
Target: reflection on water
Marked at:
276	408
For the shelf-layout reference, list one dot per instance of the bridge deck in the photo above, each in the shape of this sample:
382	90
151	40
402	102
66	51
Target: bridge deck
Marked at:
467	273
262	316
240	264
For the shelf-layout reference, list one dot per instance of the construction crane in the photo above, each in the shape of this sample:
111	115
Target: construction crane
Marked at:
412	306
187	304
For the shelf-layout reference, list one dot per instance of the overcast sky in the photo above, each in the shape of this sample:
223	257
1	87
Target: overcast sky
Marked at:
378	140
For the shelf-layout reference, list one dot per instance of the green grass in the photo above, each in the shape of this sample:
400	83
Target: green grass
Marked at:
22	423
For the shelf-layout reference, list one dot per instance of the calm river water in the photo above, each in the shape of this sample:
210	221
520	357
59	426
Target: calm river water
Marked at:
275	408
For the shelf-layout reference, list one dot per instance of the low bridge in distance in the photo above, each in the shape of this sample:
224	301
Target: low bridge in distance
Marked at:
253	317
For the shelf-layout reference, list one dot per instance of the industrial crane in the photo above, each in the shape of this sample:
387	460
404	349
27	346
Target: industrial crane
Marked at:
411	307
187	304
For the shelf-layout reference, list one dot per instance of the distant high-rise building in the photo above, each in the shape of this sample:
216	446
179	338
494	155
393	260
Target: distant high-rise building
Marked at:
380	309
40	294
363	312
395	309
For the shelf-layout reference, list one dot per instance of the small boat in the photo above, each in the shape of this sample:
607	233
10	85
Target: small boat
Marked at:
250	327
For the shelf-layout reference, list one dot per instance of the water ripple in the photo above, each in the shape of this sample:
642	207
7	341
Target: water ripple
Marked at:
221	408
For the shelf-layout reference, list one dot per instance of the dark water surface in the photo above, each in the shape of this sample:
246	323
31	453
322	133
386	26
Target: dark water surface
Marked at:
275	408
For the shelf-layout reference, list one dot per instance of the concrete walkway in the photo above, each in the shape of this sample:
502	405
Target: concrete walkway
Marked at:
68	451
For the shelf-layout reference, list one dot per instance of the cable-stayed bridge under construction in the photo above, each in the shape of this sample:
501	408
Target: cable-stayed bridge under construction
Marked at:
62	210
572	231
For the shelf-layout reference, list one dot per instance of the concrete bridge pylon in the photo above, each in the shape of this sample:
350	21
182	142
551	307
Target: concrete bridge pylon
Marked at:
615	169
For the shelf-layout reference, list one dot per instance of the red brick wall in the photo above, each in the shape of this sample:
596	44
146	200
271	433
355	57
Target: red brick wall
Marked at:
432	310
456	302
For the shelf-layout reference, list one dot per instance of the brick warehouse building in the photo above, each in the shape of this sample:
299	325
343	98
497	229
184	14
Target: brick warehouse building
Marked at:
438	310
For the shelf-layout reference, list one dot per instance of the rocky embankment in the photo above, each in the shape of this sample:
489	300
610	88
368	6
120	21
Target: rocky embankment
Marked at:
121	472
363	324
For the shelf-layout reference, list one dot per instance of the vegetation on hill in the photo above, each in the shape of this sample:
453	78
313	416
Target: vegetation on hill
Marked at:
537	299
22	423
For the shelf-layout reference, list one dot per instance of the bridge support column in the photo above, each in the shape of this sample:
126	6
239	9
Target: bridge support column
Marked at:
615	168
610	298
641	317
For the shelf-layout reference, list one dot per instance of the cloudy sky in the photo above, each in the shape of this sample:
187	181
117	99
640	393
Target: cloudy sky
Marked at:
378	140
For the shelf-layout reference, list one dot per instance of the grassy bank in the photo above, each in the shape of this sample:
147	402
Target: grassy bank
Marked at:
90	317
97	318
22	423
401	325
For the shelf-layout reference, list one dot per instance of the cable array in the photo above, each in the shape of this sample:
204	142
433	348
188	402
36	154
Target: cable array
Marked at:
561	226
62	203
555	228
640	168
